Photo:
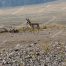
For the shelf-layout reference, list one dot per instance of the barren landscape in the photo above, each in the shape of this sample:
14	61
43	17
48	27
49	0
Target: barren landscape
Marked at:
26	47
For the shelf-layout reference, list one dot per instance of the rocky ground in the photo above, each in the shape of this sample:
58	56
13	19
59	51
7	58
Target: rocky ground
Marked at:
33	55
43	48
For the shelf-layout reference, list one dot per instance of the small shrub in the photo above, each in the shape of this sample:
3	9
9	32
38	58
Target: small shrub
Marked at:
44	27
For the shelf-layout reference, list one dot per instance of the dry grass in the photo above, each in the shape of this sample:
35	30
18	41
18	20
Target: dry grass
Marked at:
42	27
46	46
27	29
55	26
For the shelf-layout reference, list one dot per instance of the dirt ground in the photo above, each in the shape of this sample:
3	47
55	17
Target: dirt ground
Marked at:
50	42
41	37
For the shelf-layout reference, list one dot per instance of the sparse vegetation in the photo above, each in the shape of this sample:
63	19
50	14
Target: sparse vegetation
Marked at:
30	29
44	52
44	27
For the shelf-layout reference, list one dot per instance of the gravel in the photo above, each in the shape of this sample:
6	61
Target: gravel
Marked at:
33	55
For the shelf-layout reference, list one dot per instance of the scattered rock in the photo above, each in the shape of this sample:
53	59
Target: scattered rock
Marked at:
32	55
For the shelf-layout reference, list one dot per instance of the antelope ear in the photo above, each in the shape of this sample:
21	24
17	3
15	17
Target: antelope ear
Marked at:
26	18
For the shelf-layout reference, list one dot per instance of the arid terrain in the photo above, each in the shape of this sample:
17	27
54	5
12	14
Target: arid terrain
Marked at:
46	47
44	35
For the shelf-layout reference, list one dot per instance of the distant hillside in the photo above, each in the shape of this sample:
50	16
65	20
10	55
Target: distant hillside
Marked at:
53	12
12	3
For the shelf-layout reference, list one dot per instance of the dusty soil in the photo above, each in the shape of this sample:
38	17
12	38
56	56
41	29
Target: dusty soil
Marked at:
41	37
44	48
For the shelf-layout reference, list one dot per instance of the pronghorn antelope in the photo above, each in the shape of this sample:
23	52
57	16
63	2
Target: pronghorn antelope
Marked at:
33	25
